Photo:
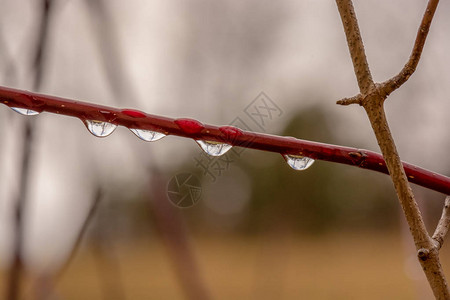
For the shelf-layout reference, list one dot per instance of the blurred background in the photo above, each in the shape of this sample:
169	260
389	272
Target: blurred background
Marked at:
96	221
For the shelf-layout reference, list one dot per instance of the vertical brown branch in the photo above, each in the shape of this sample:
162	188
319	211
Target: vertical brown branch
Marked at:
103	22
375	112
372	99
15	272
173	234
355	45
107	261
46	282
10	71
94	206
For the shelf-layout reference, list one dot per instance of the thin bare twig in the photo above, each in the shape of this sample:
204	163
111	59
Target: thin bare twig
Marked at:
10	67
15	272
358	99
373	104
443	225
94	206
395	82
175	239
122	91
356	46
110	273
103	25
46	282
362	71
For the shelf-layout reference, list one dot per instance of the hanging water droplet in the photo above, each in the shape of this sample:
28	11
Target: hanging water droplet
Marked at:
298	162
148	135
100	128
25	111
214	148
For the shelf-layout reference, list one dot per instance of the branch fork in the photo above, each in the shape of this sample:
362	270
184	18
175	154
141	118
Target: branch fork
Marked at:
387	87
372	96
377	92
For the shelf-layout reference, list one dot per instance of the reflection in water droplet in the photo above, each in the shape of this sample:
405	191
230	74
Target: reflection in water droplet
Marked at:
148	135
214	148
298	162
25	111
100	128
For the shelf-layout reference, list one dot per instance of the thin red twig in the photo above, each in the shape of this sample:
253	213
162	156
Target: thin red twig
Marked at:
227	134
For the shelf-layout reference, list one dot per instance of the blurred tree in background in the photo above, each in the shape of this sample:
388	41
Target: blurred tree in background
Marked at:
323	198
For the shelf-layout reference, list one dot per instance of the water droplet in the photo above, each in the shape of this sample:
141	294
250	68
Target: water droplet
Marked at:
298	162
133	113
231	133
25	111
148	135
214	148
100	128
189	126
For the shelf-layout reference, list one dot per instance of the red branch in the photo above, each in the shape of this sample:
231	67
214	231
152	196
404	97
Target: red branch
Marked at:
227	134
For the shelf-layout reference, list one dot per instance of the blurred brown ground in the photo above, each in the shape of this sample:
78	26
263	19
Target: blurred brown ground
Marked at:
333	266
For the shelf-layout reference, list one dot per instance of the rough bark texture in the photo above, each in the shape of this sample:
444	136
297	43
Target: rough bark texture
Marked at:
372	98
356	46
443	225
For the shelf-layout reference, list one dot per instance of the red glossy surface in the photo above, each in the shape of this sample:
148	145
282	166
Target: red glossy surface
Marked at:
194	129
189	126
133	113
231	133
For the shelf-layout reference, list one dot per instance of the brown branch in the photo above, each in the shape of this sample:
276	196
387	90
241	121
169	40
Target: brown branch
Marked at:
16	268
103	26
443	225
173	233
355	45
106	261
373	99
10	66
81	233
15	271
46	282
120	85
395	82
358	99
